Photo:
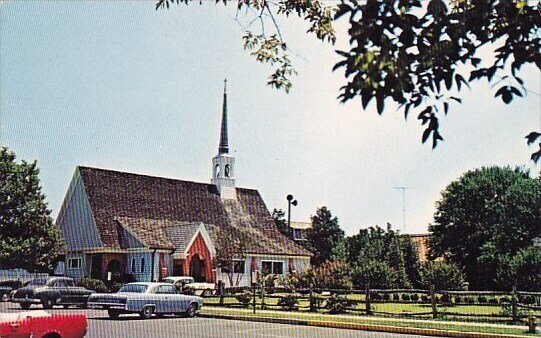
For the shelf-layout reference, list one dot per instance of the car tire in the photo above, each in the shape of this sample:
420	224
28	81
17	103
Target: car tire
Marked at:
113	314
47	303
5	297
192	310
147	312
25	306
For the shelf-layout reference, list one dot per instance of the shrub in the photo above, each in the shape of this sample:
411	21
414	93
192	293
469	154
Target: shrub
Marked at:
406	297
493	301
288	302
443	275
244	298
482	300
528	299
114	287
469	300
415	297
396	297
386	296
93	284
458	299
337	304
425	299
378	274
445	298
505	300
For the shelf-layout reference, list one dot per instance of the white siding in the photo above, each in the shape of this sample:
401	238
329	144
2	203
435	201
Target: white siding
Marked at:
76	272
299	264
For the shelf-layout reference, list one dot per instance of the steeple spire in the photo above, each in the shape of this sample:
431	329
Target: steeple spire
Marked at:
224	143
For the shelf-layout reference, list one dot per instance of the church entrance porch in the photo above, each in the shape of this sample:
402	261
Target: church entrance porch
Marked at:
197	269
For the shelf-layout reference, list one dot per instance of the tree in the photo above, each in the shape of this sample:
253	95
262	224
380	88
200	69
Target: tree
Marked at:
230	256
418	54
278	215
443	275
396	251
324	235
522	270
28	237
378	274
485	214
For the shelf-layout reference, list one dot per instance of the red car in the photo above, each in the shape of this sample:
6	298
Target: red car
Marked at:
40	324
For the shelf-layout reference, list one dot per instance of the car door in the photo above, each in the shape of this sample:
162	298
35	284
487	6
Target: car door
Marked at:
73	294
60	290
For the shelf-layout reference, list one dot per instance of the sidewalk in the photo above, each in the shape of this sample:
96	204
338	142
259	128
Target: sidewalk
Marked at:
370	323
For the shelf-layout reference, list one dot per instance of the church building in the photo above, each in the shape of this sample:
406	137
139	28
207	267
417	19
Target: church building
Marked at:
117	222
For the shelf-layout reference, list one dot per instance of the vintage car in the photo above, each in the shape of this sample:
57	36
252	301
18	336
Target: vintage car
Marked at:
183	282
40	324
146	299
50	292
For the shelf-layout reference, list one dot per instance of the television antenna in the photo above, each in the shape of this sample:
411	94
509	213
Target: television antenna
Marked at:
403	189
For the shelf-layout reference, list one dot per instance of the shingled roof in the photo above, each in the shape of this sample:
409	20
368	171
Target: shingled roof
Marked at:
140	202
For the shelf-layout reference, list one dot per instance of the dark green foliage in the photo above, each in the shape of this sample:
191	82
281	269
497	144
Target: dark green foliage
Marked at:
457	300
443	275
324	235
93	284
493	301
288	302
522	270
382	258
483	216
415	297
505	300
244	298
337	304
417	54
278	215
469	300
396	297
28	237
425	299
482	300
377	274
526	299
406	297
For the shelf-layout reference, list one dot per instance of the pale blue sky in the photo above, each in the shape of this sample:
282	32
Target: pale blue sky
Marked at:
118	85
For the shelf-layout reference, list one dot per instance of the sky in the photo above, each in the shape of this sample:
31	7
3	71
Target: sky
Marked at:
119	85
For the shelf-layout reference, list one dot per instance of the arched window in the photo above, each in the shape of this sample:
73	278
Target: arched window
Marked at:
142	264
133	265
227	170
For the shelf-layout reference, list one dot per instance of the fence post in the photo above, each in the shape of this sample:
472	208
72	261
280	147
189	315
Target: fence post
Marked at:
433	301
514	304
263	296
367	299
311	300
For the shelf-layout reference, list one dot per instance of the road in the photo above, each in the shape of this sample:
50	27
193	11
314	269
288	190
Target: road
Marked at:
132	326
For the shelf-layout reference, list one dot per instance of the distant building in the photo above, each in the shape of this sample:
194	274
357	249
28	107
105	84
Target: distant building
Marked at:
299	230
116	222
420	243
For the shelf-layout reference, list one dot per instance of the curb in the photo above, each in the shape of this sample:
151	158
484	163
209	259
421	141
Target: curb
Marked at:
364	327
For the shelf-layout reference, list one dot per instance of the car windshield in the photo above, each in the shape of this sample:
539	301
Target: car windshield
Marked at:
169	280
37	282
135	288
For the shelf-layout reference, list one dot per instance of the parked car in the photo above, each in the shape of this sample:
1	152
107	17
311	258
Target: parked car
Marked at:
50	292
40	324
146	299
183	282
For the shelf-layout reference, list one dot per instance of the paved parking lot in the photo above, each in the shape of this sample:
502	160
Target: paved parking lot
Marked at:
132	326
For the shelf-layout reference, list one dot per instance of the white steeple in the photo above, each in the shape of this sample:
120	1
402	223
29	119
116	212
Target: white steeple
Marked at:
223	165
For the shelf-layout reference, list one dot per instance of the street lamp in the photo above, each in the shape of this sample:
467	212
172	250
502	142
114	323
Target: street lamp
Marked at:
290	201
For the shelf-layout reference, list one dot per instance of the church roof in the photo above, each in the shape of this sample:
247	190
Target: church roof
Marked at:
145	204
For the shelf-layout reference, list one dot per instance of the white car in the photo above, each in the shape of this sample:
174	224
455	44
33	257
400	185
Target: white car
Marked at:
205	289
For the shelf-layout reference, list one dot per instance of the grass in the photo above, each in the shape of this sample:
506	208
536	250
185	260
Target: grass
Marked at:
412	323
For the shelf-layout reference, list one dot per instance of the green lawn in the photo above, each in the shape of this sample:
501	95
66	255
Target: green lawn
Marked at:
320	317
468	313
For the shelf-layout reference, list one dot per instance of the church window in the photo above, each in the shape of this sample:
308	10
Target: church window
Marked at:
142	264
227	169
272	267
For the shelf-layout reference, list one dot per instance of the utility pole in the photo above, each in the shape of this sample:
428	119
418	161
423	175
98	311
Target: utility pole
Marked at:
403	205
